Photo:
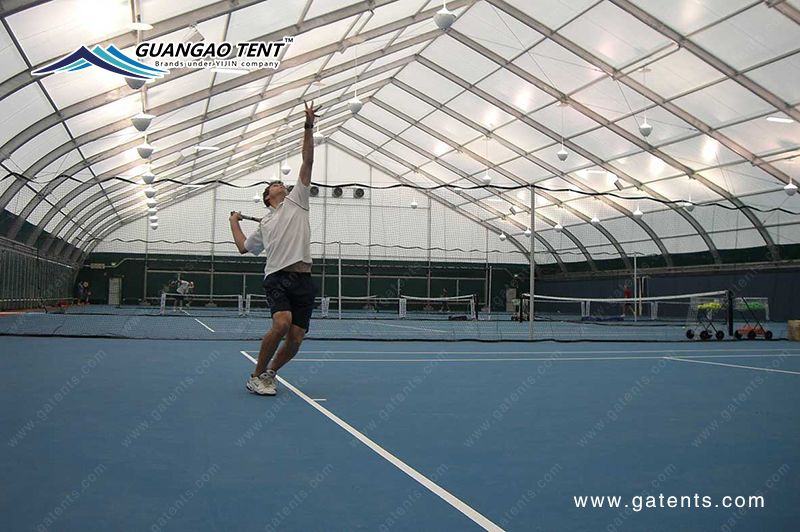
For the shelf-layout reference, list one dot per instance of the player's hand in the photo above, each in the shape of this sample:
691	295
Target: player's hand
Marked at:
312	113
236	216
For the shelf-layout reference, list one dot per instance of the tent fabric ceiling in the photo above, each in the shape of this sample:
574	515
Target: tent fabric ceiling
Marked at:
503	89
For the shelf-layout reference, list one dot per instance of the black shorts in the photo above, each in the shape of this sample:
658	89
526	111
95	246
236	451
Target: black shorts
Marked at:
292	291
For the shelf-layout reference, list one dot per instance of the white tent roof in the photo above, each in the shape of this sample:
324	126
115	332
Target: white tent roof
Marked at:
502	89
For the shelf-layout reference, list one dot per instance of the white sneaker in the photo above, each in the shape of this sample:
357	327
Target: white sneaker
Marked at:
264	384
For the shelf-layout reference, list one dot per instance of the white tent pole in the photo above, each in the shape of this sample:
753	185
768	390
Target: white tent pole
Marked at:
532	266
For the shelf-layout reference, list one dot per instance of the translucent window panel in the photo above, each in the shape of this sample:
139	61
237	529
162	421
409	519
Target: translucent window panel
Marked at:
626	229
741	179
61	164
396	56
722	103
771	200
434	146
450	128
440	173
492	150
405	153
178	116
779	78
164	93
552	13
683	188
788	233
362	130
236	95
389	13
350	143
464	163
354	55
319	37
558	66
718	219
10	60
761	136
589	235
480	111
574	122
155	10
109	143
699	152
676	73
288	74
112	163
751	37
188	136
242	115
33	150
385	118
279	99
496	30
426	81
72	23
685	244
524	136
262	19
687	16
20	110
515	91
613	35
391	164
459	59
745	238
646	167
605	144
611	99
104	115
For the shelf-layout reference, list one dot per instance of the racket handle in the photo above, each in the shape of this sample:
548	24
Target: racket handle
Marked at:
246	217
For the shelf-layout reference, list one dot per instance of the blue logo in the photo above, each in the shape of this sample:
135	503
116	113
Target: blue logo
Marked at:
111	59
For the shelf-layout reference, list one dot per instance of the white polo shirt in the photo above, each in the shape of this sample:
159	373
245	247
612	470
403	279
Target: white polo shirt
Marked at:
284	232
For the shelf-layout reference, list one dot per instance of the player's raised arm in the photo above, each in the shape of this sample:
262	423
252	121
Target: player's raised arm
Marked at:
308	144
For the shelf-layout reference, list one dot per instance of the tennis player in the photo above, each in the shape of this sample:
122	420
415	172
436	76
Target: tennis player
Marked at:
285	235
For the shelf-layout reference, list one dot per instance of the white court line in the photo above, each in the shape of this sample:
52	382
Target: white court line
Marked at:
198	321
522	352
734	365
520	359
445	495
409	327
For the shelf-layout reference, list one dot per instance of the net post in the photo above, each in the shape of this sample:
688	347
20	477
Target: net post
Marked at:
240	304
729	297
340	280
248	304
162	305
635	292
531	314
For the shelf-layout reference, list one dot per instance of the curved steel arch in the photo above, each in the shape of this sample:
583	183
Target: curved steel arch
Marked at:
178	147
661	102
224	87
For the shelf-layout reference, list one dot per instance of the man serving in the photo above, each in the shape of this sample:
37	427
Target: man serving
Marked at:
285	235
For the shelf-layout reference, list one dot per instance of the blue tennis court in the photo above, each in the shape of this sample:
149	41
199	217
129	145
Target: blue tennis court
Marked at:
159	435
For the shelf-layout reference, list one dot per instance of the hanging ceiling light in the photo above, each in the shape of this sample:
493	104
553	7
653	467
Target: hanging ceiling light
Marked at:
355	104
513	210
256	199
135	83
154	226
595	220
151	202
562	154
285	168
527	232
152	210
502	236
145	150
148	177
637	213
142	121
153	219
486	178
414	204
644	128
150	192
558	227
790	188
318	137
688	205
444	18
